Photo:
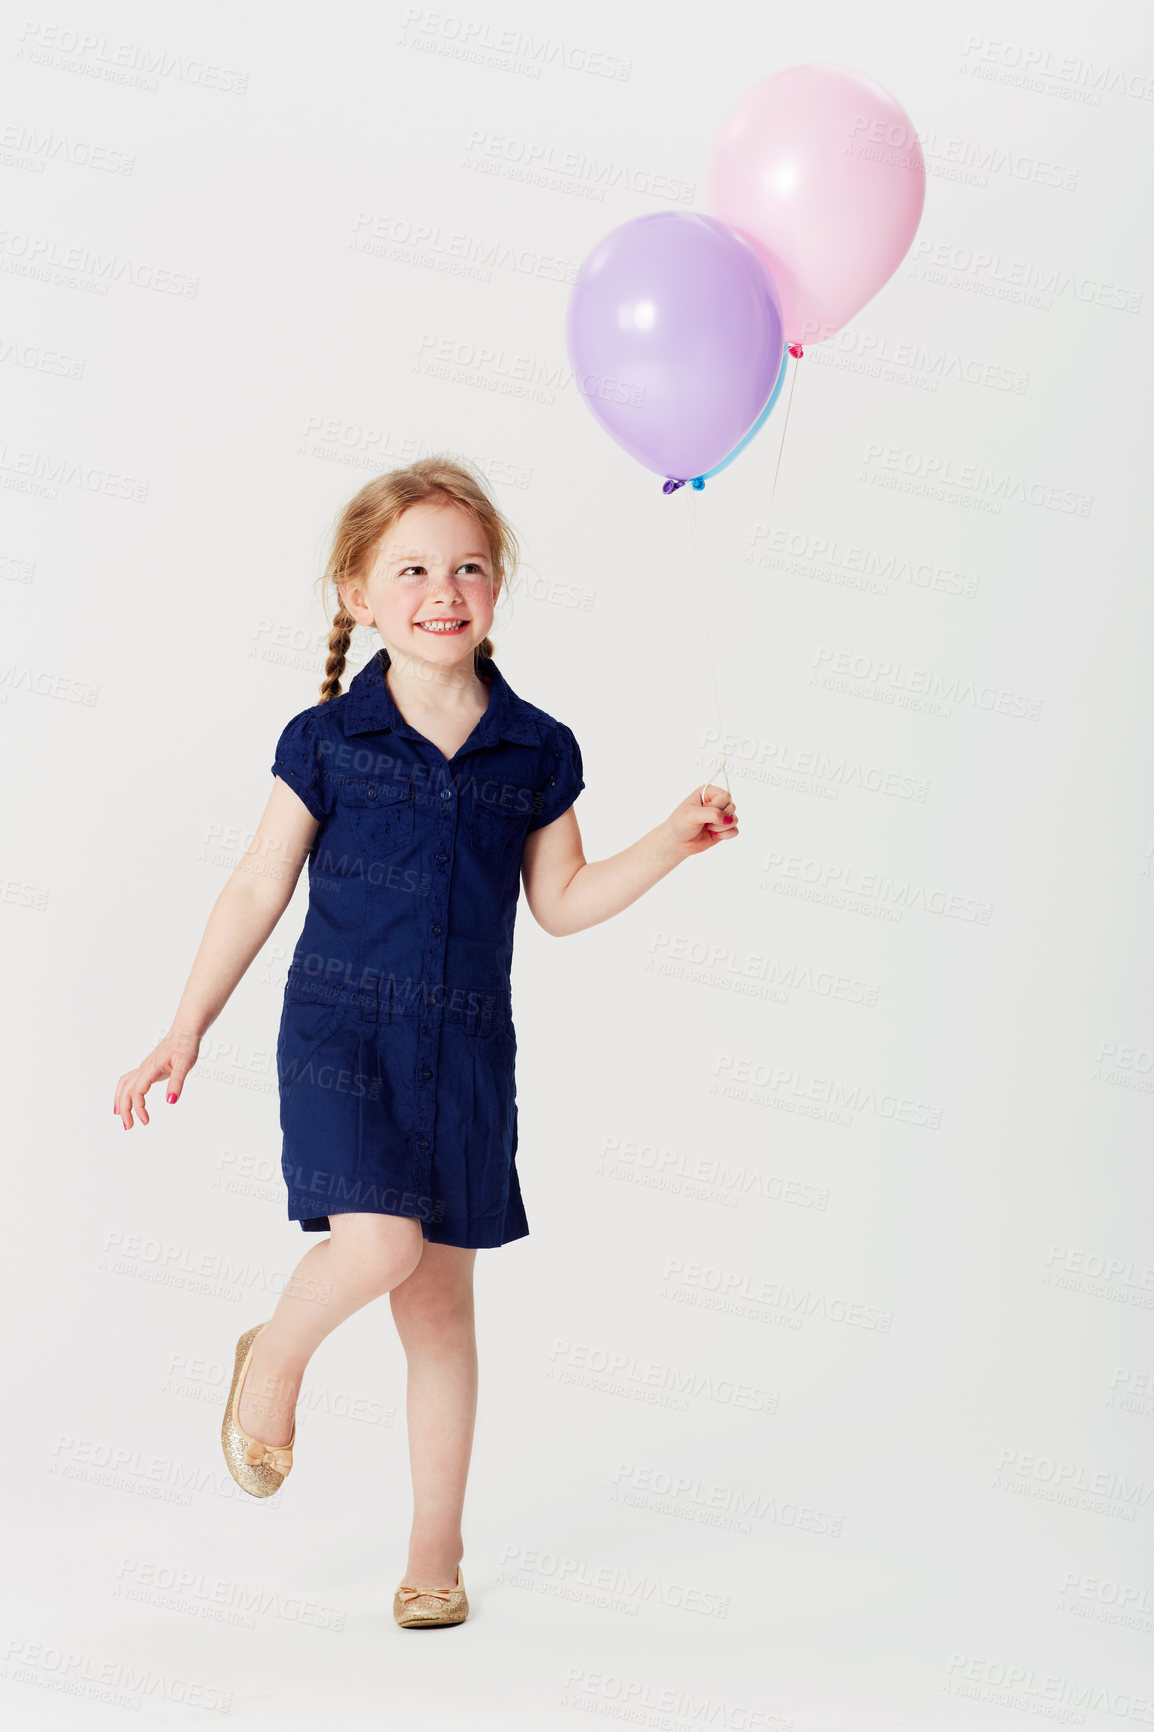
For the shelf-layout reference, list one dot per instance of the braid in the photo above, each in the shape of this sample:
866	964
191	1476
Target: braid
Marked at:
340	638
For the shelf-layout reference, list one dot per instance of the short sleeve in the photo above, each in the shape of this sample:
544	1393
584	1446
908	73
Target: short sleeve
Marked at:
565	779
298	763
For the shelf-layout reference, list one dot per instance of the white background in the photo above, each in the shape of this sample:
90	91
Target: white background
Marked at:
792	1415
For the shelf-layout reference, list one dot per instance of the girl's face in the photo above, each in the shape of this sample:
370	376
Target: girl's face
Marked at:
432	587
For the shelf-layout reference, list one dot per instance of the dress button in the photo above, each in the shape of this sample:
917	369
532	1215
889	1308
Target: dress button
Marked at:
422	1142
438	928
446	793
426	1074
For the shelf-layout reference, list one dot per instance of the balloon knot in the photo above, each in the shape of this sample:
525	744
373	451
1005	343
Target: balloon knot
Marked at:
698	482
671	485
796	351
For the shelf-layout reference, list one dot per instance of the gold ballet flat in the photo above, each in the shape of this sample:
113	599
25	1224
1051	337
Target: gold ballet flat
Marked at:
258	1468
423	1608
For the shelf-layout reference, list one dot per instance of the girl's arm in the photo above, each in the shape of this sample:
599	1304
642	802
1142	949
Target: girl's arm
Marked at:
566	893
243	916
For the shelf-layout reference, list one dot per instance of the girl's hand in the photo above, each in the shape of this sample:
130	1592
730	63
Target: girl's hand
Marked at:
704	818
174	1057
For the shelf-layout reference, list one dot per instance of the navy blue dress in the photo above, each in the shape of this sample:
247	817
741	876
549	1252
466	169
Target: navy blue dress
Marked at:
396	1052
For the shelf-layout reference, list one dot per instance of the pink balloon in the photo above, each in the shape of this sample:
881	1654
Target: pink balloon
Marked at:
821	168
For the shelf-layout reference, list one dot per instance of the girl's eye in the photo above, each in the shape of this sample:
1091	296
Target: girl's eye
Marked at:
469	565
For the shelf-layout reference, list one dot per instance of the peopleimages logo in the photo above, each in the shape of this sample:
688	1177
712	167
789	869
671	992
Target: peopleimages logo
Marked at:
689	1497
1031	67
878	355
957	266
851	564
846	885
991	487
1049	1695
897	143
501	151
422	243
508	50
894	682
119	62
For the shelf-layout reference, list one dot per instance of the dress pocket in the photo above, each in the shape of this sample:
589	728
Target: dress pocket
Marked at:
304	1029
381	811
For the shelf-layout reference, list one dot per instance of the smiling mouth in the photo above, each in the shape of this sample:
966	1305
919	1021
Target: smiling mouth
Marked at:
441	627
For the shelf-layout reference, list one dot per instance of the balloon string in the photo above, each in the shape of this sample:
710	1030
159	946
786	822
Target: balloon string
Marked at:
757	587
691	495
784	427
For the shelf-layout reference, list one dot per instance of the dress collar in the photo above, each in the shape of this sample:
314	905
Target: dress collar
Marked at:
371	707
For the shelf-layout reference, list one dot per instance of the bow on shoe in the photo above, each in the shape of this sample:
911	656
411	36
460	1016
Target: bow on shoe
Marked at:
275	1455
408	1594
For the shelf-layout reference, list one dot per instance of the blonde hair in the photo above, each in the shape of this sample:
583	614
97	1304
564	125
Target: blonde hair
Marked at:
373	510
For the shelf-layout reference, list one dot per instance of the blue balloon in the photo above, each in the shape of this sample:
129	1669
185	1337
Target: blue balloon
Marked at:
700	480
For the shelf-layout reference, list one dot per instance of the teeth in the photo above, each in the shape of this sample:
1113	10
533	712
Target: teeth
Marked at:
427	625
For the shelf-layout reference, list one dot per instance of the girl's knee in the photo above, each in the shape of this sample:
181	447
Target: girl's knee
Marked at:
377	1252
438	1300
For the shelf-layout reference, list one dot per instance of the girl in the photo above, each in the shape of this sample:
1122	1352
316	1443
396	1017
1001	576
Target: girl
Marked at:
422	798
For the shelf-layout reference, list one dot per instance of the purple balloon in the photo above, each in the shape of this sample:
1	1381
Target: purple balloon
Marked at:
675	339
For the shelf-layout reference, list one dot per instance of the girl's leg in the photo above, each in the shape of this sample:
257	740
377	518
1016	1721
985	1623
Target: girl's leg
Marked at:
363	1257
433	1311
